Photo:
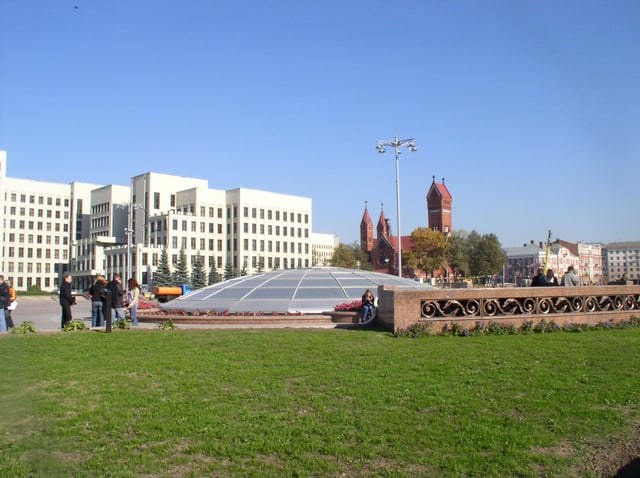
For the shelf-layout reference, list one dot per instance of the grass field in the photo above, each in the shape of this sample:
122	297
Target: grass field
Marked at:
192	403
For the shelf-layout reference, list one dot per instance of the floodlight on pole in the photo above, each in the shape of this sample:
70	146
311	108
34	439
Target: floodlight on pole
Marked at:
396	144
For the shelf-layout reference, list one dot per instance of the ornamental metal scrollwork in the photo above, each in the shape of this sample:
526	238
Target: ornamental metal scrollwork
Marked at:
514	306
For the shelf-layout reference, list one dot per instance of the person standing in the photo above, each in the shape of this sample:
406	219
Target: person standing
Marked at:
133	295
66	300
368	306
4	303
538	280
97	305
551	279
11	307
117	293
570	278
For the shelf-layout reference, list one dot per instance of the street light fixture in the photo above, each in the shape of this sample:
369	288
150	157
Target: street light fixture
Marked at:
129	231
396	144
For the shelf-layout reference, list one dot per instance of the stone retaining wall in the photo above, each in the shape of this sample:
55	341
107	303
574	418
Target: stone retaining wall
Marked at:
400	309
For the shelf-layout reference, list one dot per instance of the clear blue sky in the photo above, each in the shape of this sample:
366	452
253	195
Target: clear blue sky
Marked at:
530	110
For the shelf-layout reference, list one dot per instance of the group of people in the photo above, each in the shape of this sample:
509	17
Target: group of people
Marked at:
569	279
8	303
103	295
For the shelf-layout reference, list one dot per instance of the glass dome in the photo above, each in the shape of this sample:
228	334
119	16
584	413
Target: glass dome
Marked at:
306	291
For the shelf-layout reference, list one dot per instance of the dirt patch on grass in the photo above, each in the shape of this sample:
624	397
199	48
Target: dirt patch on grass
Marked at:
618	457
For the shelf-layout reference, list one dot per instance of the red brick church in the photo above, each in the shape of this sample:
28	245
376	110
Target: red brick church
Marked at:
382	250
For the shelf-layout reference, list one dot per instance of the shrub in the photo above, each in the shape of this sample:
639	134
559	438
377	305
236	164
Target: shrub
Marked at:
167	325
122	324
527	327
75	324
419	329
26	327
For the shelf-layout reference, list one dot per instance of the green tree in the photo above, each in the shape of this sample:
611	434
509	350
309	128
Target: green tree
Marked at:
486	256
214	276
198	274
350	256
429	249
458	253
260	265
229	271
162	275
181	274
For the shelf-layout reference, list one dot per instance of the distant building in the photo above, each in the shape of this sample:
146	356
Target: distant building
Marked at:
322	248
523	262
41	222
622	258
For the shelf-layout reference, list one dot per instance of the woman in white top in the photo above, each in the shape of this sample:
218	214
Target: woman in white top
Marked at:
133	295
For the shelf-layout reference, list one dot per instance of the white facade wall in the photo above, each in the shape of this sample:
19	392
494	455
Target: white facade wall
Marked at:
81	228
323	246
267	228
40	223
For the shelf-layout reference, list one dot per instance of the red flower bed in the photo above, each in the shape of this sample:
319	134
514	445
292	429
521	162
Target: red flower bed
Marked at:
354	306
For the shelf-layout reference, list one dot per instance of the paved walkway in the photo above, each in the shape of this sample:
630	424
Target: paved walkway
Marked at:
45	313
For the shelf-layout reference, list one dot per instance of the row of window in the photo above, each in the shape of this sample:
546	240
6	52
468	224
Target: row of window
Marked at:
201	244
29	267
48	213
292	215
26	282
38	239
38	253
41	200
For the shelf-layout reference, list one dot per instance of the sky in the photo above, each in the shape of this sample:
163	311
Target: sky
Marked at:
529	109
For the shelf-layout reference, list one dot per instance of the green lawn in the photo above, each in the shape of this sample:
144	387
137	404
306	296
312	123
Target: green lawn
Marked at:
192	403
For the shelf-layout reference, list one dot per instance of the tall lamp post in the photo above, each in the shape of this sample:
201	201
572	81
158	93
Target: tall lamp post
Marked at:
396	144
129	231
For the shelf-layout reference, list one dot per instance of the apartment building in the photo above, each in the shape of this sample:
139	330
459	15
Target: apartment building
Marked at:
40	222
48	229
622	258
243	229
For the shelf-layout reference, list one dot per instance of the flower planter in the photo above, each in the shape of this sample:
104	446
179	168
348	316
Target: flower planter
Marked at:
344	317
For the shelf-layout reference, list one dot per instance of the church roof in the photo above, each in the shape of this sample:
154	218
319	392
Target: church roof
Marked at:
440	188
366	219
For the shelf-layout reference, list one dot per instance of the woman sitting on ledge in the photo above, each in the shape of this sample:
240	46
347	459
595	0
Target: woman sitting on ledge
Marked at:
368	306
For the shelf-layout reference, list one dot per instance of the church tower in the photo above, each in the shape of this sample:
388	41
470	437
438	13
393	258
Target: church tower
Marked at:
383	226
439	202
366	231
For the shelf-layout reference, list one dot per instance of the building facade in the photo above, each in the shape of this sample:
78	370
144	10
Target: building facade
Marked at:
621	258
41	222
523	262
322	248
48	229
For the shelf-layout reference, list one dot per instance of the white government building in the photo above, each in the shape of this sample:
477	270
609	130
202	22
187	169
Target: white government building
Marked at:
88	229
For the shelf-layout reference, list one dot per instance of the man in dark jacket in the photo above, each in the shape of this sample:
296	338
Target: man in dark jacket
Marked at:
117	293
66	300
538	280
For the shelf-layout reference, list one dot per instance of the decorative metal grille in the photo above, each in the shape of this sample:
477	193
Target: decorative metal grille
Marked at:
514	306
